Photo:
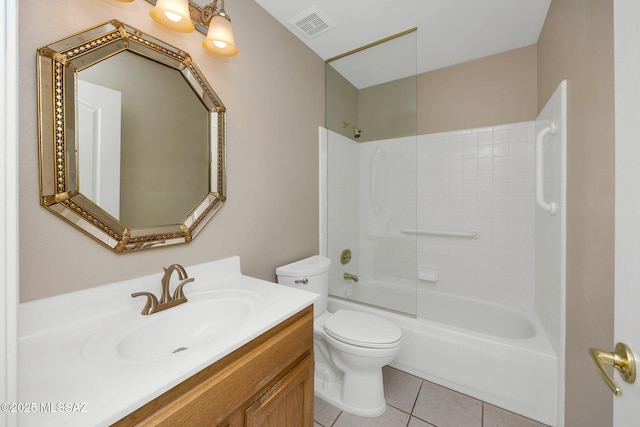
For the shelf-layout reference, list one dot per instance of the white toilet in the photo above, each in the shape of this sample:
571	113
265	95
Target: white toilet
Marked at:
350	347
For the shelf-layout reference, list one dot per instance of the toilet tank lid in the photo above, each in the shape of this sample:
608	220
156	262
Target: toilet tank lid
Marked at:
316	264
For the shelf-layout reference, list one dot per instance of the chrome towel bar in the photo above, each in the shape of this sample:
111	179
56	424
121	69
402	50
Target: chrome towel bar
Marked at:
473	234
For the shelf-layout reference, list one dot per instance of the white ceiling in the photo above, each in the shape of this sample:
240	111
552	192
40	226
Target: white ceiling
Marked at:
449	31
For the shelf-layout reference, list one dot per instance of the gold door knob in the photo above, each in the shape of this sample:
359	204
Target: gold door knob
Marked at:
622	359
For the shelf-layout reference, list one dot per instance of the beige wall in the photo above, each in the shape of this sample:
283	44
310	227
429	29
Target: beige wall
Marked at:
494	90
382	111
577	44
388	110
275	102
341	102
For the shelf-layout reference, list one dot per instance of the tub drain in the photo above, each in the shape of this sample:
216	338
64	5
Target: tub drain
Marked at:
179	349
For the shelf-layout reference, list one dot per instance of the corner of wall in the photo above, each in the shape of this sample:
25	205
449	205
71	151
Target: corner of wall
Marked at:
576	44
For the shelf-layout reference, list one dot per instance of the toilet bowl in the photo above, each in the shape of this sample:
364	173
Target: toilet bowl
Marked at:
350	347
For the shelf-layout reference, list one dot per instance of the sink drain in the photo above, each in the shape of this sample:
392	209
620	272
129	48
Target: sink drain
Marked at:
179	349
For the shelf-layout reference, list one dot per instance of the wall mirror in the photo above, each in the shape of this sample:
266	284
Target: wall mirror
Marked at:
131	138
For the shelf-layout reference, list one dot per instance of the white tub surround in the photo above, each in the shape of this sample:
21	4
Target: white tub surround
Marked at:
445	227
55	367
551	234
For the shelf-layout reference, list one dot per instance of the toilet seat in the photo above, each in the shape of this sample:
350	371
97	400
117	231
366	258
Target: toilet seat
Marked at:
362	329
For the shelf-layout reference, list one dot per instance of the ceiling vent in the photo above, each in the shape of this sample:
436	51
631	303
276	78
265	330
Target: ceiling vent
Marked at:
312	22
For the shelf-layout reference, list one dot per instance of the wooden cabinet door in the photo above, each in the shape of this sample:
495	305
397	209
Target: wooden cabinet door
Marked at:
289	403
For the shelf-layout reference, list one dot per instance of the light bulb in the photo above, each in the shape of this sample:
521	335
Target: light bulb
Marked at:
173	17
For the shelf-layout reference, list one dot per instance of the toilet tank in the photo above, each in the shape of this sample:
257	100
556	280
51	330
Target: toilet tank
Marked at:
310	274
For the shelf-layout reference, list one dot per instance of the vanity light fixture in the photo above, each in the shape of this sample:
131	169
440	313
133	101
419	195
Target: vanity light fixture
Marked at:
185	16
219	38
173	14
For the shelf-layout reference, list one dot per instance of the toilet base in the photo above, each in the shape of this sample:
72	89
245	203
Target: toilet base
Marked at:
331	392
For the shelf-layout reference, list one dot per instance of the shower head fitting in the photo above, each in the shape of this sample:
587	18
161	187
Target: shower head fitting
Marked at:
356	131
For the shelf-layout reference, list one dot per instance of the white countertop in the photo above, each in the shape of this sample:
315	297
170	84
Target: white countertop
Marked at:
58	386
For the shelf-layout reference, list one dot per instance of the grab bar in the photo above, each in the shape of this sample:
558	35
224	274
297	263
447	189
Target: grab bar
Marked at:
551	207
473	234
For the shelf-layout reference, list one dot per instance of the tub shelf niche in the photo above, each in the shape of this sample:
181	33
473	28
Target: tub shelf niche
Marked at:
428	273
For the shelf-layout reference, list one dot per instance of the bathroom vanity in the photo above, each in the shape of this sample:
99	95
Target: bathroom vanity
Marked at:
239	352
267	382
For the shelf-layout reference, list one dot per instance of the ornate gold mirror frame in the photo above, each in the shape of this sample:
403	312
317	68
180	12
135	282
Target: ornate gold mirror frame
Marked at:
58	65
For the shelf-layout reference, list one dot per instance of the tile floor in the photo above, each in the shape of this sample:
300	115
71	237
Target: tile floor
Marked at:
413	402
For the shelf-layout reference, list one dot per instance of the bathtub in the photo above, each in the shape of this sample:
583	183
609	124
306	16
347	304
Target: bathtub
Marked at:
492	352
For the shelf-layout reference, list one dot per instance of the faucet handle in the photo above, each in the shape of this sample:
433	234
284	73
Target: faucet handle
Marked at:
152	301
177	294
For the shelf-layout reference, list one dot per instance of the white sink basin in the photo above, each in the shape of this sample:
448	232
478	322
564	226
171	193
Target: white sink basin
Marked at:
205	318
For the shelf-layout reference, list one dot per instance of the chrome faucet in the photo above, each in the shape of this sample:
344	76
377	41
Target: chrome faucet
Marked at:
166	300
353	277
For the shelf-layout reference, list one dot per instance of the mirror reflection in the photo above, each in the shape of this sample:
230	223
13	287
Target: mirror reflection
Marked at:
143	142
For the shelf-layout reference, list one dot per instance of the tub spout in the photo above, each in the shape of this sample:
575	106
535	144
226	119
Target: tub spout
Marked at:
353	277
